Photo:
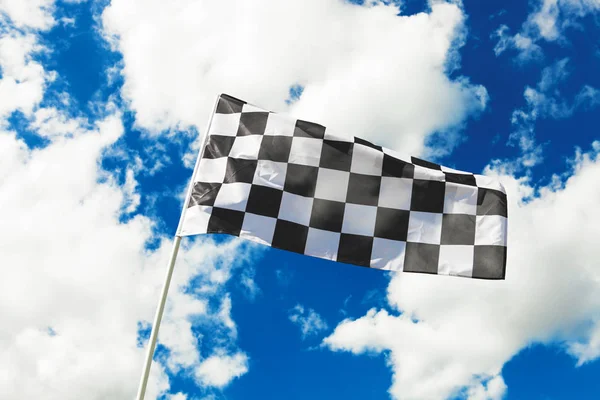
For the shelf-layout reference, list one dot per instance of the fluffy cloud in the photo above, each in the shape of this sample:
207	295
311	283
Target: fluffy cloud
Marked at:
309	321
545	101
364	70
219	370
22	80
547	22
458	339
77	280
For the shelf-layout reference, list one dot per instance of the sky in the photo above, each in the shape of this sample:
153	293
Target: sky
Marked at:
102	107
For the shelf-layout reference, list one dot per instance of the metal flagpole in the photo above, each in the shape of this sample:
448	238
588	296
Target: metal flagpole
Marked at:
163	296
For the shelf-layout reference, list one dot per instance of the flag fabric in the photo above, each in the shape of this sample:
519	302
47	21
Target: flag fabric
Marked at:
297	186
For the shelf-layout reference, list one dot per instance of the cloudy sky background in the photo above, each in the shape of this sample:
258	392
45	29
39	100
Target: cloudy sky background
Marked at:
101	108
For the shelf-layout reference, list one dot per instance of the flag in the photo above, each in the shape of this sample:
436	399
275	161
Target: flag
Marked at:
297	186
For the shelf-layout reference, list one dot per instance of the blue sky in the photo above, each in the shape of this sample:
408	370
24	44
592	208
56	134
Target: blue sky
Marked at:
102	104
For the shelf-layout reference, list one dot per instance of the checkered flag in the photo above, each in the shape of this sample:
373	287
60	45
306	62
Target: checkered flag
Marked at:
295	185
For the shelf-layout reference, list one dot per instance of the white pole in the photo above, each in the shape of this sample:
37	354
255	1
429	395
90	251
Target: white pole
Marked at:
163	297
157	319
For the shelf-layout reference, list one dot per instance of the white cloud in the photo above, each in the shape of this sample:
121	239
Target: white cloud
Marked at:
525	46
547	22
364	70
36	14
219	370
23	79
309	321
545	101
455	333
76	279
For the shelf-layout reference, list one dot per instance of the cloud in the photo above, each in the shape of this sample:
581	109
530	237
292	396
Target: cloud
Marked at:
309	321
36	14
219	371
454	335
545	101
547	22
23	80
79	282
360	70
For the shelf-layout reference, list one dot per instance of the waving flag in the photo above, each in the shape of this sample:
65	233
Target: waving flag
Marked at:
297	186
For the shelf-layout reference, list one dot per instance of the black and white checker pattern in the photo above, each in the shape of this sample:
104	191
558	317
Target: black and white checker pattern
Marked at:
294	185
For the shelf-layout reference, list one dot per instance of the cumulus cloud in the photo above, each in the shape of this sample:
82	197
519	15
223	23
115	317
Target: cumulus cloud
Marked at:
364	70
545	100
220	370
458	340
23	80
79	282
547	22
308	320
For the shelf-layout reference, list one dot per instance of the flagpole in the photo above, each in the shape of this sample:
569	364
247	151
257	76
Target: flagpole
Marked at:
163	296
157	319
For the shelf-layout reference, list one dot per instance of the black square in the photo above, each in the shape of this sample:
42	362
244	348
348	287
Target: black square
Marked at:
275	148
252	123
463	179
491	202
336	155
428	196
240	170
204	194
229	105
458	229
421	257
309	129
218	146
363	189
426	164
301	180
391	223
264	200
223	220
367	143
355	249
327	215
397	168
290	236
489	262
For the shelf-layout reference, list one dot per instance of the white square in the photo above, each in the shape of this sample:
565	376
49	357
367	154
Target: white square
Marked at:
332	184
270	173
258	228
359	220
246	108
225	124
246	147
388	254
489	183
491	230
454	171
322	244
460	199
195	220
424	227
332	135
211	170
295	208
400	156
456	260
280	125
395	193
233	196
306	151
429	174
366	160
